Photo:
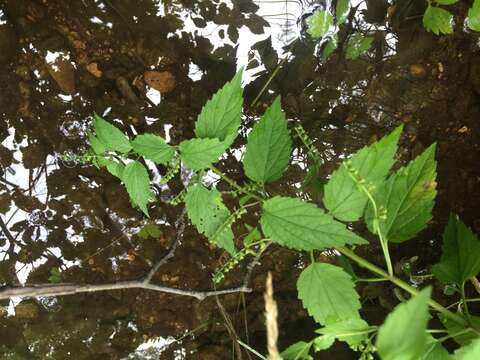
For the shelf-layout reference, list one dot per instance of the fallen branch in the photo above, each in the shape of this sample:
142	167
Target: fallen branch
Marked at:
49	290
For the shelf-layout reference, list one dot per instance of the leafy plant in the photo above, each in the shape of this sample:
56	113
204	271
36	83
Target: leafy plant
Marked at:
328	28
395	205
322	24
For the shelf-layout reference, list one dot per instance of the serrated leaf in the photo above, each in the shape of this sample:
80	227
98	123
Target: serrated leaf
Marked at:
303	226
469	352
342	196
207	212
460	254
357	45
96	145
319	23
221	115
403	335
136	180
473	20
55	276
328	293
113	167
341	11
198	154
352	331
323	342
457	331
150	230
437	20
110	136
347	266
253	235
268	147
329	48
153	147
434	350
298	351
408	196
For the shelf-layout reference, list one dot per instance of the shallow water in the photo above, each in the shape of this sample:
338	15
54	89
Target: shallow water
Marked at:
62	60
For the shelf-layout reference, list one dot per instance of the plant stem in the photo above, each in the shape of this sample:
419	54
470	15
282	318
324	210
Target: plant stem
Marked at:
312	257
458	333
400	283
371	279
233	184
376	221
464	302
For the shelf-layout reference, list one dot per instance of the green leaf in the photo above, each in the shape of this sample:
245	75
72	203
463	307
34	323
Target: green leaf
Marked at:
342	196
111	137
460	254
434	350
303	226
323	342
207	212
446	2
137	182
96	145
330	47
353	331
341	11
473	20
297	351
113	167
319	23
220	117
403	335
408	196
198	154
150	230
55	276
437	20
328	293
268	147
253	235
357	45
347	266
469	352
456	330
154	148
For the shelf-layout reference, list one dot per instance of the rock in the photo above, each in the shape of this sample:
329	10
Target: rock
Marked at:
63	72
163	81
8	44
417	71
27	310
93	69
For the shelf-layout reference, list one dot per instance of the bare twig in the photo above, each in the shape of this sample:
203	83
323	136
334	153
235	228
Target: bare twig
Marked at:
180	226
48	290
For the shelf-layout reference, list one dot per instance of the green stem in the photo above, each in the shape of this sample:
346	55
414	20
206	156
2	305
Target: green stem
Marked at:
400	283
312	257
371	279
464	302
376	221
233	184
458	333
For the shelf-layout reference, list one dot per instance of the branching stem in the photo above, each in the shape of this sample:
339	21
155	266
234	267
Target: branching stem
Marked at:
401	284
